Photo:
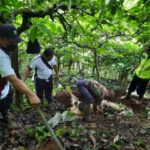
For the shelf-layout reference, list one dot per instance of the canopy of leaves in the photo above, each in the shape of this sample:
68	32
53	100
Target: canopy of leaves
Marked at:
115	29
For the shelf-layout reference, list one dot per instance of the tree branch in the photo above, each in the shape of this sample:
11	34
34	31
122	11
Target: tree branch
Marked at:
80	45
27	14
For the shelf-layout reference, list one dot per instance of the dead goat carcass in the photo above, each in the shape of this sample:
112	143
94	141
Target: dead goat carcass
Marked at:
73	101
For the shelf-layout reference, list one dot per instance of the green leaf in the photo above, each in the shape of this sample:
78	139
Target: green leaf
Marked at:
93	132
22	148
59	132
107	1
68	89
116	146
33	32
69	3
113	10
44	28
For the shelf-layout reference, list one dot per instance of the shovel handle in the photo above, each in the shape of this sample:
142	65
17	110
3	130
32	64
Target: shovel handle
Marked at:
50	129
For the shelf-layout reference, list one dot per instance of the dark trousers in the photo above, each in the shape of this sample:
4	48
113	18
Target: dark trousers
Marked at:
6	103
139	85
44	88
84	91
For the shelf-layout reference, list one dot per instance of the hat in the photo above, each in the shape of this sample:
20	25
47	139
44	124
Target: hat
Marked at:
9	32
48	52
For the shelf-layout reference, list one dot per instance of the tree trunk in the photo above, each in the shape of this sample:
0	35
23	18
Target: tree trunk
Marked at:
15	65
123	75
58	63
93	69
96	64
80	68
70	66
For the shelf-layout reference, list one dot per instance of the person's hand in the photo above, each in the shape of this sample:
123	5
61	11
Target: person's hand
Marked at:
34	100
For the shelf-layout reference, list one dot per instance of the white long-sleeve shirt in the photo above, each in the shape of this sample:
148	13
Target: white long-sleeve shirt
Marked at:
5	70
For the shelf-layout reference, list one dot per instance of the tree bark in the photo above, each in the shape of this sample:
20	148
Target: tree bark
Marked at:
15	65
96	64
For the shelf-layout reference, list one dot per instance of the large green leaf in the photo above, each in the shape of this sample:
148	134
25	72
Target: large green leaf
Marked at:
33	33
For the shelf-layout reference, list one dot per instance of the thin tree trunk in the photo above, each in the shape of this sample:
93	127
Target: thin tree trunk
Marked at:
96	64
15	65
70	66
93	69
58	63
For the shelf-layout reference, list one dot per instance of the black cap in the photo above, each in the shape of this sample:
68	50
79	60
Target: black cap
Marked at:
48	52
9	32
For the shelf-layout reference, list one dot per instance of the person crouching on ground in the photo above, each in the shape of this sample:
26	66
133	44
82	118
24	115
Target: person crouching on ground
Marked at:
93	93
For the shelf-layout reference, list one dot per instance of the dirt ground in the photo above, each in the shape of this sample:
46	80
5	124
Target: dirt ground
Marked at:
110	131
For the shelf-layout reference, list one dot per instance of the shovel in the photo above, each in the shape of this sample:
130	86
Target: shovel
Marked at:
50	129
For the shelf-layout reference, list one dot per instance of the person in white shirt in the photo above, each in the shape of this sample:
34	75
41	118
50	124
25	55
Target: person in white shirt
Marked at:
9	40
43	66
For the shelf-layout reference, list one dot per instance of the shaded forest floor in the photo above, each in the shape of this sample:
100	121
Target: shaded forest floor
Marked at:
113	130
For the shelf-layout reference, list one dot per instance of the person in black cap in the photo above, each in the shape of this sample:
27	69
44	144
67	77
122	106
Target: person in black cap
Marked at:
9	40
43	66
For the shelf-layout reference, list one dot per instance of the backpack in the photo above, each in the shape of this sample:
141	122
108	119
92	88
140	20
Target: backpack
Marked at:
33	47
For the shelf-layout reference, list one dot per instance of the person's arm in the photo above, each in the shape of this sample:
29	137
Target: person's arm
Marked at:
21	87
26	74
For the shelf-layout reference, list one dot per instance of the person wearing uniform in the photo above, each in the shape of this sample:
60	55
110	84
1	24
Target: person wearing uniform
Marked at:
9	40
141	77
93	93
91	89
43	66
